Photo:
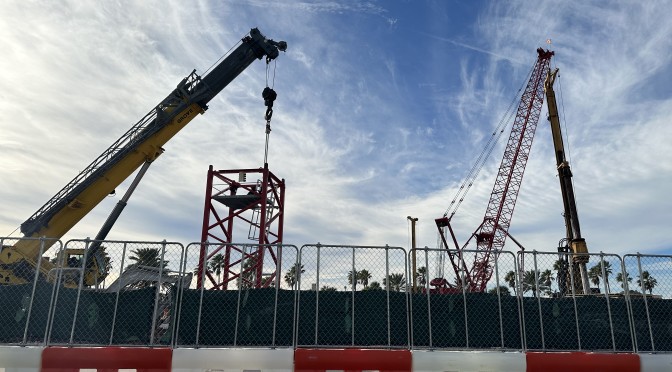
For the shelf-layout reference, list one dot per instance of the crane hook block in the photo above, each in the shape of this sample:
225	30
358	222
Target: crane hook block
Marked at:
269	96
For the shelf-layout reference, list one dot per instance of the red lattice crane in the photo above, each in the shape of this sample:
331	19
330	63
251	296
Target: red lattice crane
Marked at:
491	234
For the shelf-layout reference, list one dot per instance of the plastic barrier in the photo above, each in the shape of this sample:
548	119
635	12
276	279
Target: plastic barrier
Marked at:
315	360
229	360
459	361
20	359
655	362
60	359
582	362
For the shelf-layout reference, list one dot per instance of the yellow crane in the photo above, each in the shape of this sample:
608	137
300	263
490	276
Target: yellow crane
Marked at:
139	145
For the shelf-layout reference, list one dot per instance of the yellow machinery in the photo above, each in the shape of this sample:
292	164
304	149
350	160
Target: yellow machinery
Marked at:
139	145
576	243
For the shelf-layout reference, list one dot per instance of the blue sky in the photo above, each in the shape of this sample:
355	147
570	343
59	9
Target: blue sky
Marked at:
383	106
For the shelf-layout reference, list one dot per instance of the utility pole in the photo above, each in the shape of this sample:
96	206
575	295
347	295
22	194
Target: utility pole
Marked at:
413	221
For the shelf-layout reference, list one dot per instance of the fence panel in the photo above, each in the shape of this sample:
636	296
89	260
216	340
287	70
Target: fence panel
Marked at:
126	302
237	300
153	293
24	295
648	279
559	316
353	296
448	314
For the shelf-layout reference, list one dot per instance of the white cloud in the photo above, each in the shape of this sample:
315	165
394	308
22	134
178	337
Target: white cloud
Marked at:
364	134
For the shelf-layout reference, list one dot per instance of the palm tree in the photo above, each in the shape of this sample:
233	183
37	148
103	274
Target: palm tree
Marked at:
148	257
546	279
595	274
646	281
559	265
503	290
510	280
623	279
363	276
373	286
216	265
292	275
395	282
601	270
353	278
530	282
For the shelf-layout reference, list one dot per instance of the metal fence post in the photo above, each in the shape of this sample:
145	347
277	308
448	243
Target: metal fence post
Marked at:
646	303
32	293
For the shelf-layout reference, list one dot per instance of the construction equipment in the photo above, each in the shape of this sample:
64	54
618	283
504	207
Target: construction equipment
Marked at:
139	145
491	234
574	243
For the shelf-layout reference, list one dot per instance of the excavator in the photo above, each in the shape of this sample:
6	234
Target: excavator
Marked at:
137	148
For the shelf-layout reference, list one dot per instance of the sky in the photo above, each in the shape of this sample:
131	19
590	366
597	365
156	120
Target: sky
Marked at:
382	109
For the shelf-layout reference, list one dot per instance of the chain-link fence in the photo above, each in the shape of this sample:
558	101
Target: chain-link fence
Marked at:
239	296
353	295
25	300
647	280
574	303
88	292
448	313
113	292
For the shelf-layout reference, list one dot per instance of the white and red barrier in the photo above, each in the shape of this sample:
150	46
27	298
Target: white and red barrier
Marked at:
434	361
655	362
106	359
23	359
128	359
322	360
582	362
233	360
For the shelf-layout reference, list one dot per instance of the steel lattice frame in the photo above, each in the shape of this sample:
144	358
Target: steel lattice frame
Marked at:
232	204
492	232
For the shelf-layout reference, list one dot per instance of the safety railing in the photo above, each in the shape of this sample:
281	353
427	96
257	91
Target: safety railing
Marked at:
96	293
446	314
238	297
647	280
353	296
557	313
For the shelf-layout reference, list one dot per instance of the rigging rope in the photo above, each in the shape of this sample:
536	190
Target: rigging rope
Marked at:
485	154
223	56
269	96
563	122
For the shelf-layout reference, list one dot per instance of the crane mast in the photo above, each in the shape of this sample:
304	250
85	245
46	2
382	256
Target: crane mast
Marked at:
492	233
577	244
139	145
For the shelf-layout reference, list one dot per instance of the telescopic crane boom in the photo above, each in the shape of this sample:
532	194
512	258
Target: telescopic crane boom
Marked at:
576	242
140	144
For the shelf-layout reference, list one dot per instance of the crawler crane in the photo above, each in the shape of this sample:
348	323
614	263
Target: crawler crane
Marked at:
492	233
138	147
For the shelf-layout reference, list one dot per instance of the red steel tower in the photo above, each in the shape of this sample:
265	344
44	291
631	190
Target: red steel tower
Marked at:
233	207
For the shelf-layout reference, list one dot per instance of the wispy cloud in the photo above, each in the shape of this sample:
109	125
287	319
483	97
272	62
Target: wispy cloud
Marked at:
373	123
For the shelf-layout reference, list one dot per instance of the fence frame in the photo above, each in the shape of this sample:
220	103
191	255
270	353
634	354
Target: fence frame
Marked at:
635	318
